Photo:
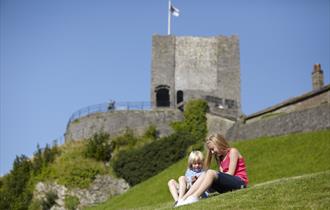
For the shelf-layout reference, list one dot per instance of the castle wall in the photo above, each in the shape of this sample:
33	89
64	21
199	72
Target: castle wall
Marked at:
312	119
116	122
217	124
306	101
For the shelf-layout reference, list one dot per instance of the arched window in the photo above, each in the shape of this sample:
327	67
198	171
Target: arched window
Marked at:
179	96
162	96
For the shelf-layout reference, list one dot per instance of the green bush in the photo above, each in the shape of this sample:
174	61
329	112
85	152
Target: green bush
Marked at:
139	164
194	119
14	191
37	161
72	168
98	147
42	158
71	202
126	141
151	132
35	205
79	177
50	153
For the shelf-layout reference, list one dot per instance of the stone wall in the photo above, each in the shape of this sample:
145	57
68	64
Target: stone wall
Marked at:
102	188
218	124
116	122
308	100
312	119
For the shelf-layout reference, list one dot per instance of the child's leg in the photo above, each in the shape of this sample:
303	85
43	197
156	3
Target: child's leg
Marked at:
182	186
210	177
195	186
202	184
173	187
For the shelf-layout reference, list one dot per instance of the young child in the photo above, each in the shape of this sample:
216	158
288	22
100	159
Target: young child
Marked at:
232	173
194	170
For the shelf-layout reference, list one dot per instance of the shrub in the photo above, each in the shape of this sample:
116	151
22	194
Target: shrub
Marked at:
71	202
14	191
72	168
98	147
140	164
37	161
151	132
79	176
48	155
43	158
194	119
125	141
35	205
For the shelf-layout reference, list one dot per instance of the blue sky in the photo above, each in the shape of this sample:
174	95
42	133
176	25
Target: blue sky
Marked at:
57	56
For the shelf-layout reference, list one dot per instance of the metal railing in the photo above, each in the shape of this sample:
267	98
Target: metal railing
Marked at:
108	107
101	108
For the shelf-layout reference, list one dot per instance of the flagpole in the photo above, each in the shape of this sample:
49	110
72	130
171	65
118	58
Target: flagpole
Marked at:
169	18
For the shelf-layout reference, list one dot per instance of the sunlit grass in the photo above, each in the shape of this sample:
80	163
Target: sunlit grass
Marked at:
310	191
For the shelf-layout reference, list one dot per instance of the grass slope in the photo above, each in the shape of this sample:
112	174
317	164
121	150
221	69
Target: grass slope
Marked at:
310	191
267	159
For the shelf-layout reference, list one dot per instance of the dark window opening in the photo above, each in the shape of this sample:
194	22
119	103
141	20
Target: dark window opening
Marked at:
230	104
218	102
162	97
179	96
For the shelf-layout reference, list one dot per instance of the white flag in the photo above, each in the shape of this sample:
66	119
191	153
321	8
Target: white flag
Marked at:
175	11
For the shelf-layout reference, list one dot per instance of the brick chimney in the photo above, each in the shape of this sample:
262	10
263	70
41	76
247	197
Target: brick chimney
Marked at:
317	77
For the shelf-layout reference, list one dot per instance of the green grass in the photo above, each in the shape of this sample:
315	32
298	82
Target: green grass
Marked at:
304	192
267	159
292	155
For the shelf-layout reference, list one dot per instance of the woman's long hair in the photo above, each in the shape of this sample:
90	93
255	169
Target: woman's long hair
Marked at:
220	142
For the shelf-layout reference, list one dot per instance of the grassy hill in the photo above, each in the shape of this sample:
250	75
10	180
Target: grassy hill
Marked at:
285	172
310	191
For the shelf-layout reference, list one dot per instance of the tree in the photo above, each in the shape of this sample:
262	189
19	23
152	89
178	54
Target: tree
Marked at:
14	191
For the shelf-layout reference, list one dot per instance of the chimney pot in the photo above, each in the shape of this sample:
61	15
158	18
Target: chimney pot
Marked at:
317	77
317	67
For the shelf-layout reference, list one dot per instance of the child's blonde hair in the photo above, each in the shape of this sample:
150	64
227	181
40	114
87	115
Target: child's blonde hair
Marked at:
195	156
220	142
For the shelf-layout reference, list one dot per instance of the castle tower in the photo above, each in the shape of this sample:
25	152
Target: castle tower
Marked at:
186	67
317	77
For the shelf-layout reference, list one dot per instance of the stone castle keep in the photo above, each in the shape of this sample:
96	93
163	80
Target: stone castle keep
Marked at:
187	67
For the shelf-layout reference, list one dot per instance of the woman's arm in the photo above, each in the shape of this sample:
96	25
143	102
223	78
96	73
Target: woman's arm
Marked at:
234	155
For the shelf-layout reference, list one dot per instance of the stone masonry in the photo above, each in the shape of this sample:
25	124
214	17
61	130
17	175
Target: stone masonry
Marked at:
115	123
313	119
